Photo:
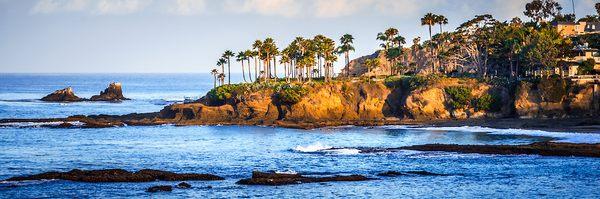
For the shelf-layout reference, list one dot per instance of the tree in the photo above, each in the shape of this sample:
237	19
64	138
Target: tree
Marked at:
540	10
590	18
345	47
241	57
227	55
441	20
598	8
221	62
429	20
371	64
214	73
319	42
544	48
221	79
329	51
248	54
256	54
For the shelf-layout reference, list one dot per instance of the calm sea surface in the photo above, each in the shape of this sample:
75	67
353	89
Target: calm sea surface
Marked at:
234	152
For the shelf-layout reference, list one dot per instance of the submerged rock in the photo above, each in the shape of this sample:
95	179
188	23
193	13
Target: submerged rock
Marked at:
539	148
275	179
114	92
63	95
397	173
165	188
116	175
184	185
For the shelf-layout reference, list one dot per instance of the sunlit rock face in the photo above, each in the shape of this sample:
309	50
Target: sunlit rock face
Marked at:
114	92
63	95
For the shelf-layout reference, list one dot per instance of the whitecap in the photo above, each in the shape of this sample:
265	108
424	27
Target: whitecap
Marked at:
316	147
39	124
569	137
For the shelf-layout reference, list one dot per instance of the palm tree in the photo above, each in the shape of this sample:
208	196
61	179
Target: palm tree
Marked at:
256	55
319	48
345	47
329	51
221	63
214	72
227	55
441	20
371	64
249	54
241	57
429	20
221	79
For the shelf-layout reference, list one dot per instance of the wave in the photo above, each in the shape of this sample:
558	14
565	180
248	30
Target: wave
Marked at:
590	138
38	124
325	149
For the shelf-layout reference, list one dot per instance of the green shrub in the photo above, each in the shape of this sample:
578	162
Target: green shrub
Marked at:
219	95
488	102
290	94
460	96
553	89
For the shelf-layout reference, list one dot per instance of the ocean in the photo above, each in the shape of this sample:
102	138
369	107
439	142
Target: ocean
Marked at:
233	152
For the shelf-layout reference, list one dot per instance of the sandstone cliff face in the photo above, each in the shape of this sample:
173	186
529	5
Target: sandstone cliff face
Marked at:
555	99
337	103
372	103
63	95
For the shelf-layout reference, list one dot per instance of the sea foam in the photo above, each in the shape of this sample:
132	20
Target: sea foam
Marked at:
569	137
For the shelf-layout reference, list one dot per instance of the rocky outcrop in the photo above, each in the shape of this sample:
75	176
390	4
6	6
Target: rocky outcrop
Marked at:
114	92
63	95
555	98
277	179
357	66
540	148
116	175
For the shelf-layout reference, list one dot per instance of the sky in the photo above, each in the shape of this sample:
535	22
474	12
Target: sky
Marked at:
188	36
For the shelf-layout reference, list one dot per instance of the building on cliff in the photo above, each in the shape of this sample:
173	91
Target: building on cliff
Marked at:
571	29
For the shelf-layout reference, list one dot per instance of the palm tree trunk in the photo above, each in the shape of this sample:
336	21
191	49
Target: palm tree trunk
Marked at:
228	71
430	36
215	81
347	63
275	66
255	68
243	71
249	70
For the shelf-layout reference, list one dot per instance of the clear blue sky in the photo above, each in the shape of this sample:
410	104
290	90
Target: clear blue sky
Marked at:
181	36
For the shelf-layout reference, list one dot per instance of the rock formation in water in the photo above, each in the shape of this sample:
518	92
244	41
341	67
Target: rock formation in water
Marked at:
114	92
116	175
540	148
276	179
63	95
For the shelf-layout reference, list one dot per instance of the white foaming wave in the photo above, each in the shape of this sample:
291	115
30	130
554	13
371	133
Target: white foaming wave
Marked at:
346	151
570	137
39	124
289	171
321	148
316	147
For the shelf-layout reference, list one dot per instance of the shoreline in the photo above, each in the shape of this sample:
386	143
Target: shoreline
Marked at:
570	125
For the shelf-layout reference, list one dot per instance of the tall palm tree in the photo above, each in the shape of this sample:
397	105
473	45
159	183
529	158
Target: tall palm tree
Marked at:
241	57
346	42
221	62
249	54
441	20
256	55
227	55
214	72
429	20
319	48
221	79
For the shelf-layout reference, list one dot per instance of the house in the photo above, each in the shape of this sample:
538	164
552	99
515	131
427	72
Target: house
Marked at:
570	29
579	54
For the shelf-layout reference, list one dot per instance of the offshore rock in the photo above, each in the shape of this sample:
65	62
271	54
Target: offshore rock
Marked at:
165	188
63	95
117	175
276	179
539	148
114	92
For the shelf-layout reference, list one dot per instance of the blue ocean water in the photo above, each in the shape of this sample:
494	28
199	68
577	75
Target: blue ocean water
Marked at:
234	152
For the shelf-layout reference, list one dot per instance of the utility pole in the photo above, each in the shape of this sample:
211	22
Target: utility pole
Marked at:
573	3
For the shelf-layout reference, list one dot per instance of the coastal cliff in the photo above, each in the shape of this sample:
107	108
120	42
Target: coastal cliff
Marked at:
390	101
